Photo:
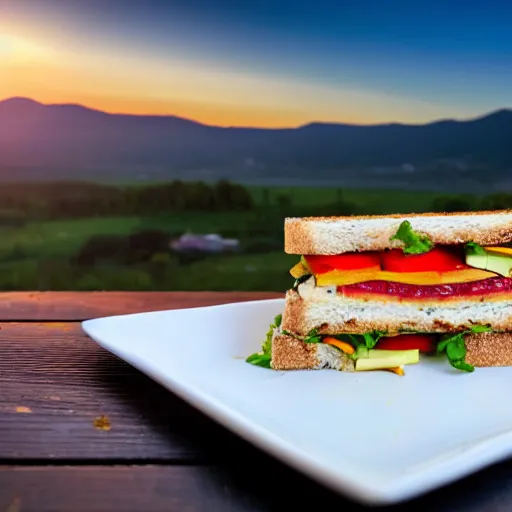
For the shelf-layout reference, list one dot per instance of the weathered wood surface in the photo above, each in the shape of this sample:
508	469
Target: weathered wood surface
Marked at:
78	306
54	382
241	486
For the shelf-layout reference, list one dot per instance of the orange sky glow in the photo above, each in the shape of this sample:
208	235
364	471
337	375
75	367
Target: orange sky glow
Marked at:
34	67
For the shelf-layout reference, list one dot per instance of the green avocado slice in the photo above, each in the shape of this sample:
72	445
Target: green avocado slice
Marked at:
493	262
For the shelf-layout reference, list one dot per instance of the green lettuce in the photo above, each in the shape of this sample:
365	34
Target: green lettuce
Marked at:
455	347
414	242
311	337
367	340
264	357
474	248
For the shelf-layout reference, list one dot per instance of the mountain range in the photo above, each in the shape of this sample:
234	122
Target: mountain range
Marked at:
40	141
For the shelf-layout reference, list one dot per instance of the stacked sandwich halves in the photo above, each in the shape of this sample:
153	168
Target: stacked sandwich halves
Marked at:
374	292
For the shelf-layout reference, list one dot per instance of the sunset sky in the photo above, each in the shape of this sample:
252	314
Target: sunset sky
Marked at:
262	63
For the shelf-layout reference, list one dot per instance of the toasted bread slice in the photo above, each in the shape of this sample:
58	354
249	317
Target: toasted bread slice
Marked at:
289	353
337	235
489	349
321	308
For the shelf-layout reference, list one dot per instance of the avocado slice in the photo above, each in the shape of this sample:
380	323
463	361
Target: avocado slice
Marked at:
392	360
412	354
491	261
364	353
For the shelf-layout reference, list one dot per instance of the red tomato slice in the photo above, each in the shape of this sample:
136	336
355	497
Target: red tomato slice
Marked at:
439	259
348	261
422	342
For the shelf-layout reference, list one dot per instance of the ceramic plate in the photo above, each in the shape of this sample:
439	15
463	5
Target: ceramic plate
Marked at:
376	437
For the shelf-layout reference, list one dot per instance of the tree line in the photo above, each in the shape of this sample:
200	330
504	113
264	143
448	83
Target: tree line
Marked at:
21	202
468	203
64	200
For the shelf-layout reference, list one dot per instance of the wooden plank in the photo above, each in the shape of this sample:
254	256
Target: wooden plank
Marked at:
98	489
149	489
54	382
239	487
78	306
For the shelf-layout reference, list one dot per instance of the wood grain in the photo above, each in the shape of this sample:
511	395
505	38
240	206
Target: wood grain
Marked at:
54	382
98	489
78	306
242	486
152	489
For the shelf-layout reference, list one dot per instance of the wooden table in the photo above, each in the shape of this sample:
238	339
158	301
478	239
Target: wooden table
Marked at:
159	454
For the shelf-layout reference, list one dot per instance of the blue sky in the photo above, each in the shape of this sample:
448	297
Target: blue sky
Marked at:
365	61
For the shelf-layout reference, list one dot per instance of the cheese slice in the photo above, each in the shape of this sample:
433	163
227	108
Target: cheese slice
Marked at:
298	270
342	278
505	251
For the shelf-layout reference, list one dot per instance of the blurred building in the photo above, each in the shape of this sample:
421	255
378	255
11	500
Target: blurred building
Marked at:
212	243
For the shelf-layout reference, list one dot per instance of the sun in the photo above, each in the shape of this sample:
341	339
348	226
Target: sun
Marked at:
6	46
21	49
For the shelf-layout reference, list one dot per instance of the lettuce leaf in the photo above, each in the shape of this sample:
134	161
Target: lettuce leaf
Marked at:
264	357
311	337
260	359
367	340
414	242
371	338
474	248
455	347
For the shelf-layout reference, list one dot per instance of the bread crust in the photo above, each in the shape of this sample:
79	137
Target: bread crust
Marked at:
489	349
290	353
335	315
337	235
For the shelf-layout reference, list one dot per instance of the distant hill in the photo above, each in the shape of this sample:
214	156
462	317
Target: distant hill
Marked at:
72	141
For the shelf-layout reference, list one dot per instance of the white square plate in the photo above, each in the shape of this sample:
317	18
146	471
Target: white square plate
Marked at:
375	437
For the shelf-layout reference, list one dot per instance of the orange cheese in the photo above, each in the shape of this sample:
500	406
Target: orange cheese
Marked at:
340	278
298	270
505	251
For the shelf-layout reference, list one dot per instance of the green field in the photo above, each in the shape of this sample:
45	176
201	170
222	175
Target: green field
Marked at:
64	237
37	255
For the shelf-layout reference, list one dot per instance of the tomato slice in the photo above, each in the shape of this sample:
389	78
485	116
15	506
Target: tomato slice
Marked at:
439	259
422	342
348	261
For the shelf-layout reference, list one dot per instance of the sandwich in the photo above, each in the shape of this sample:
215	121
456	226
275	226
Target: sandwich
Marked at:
380	292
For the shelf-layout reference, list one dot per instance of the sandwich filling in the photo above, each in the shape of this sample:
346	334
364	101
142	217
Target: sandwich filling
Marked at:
363	352
418	271
417	286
